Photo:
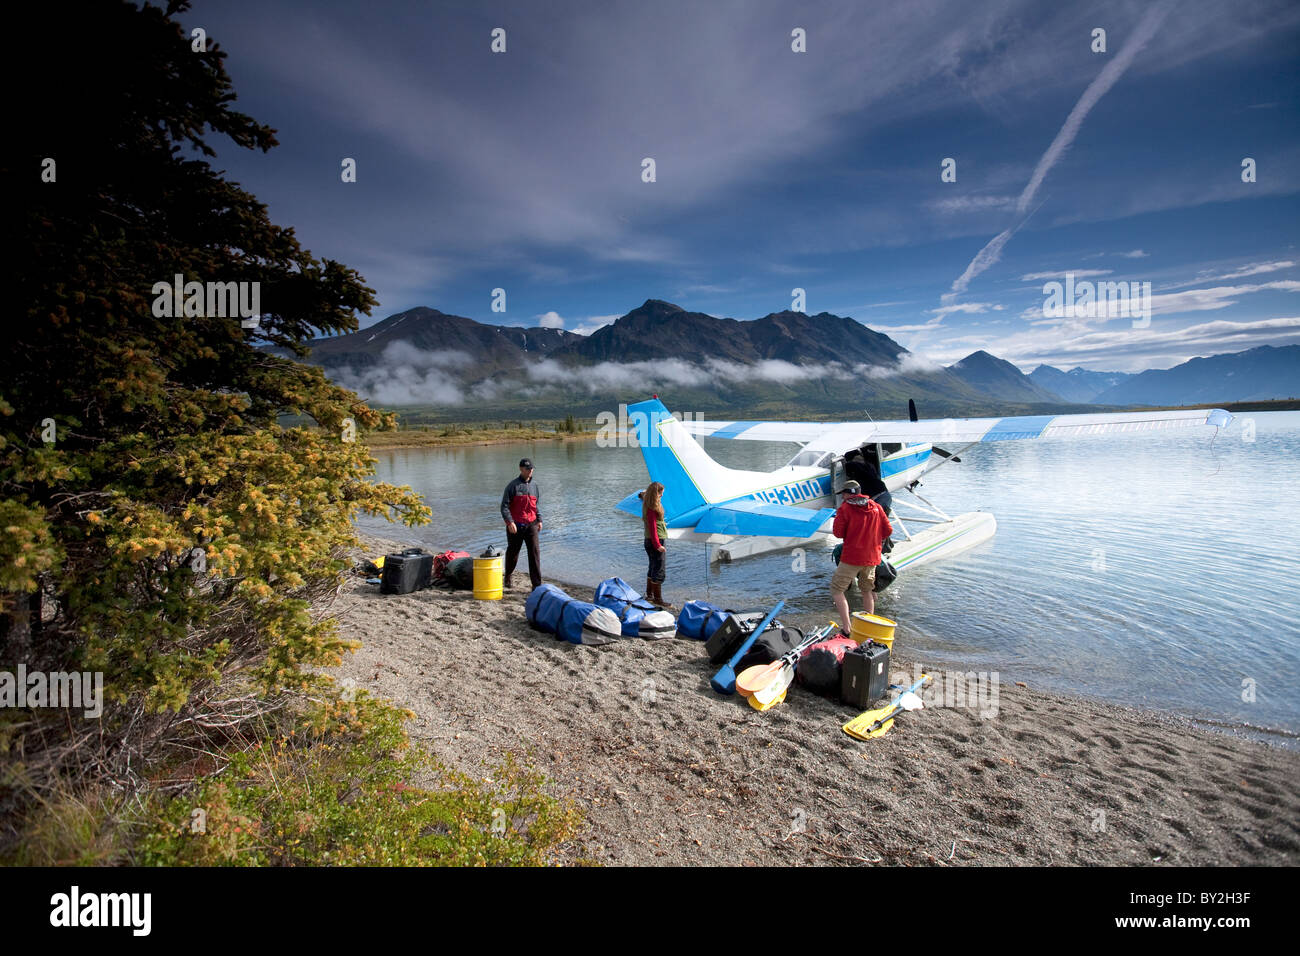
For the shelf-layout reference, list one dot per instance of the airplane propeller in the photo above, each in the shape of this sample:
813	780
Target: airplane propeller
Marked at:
912	417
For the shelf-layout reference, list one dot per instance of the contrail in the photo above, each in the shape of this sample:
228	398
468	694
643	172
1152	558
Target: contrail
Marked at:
1098	88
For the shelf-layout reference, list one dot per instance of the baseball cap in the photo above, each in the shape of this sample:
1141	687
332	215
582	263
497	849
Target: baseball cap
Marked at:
851	488
525	463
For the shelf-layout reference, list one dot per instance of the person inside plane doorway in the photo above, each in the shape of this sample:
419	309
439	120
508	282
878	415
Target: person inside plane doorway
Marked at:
866	472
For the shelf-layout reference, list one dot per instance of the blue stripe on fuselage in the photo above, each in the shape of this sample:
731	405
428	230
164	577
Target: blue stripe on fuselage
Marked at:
893	466
1021	426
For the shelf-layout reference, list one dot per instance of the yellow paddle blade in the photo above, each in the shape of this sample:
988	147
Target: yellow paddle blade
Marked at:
863	734
784	677
858	726
762	703
753	679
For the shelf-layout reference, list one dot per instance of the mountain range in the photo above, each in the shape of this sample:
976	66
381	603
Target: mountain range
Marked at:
1258	374
786	364
1078	384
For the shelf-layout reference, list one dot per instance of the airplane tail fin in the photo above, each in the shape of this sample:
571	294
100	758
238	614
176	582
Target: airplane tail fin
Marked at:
675	459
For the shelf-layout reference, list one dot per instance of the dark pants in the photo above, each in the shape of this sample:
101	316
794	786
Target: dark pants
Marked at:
656	572
527	534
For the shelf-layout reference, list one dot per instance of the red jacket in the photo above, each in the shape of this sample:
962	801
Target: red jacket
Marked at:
863	525
519	503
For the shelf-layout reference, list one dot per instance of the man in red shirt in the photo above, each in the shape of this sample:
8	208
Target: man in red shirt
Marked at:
863	525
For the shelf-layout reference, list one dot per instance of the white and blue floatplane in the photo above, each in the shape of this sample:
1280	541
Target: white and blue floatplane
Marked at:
744	513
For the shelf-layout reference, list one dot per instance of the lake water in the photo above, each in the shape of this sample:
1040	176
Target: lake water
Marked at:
1156	571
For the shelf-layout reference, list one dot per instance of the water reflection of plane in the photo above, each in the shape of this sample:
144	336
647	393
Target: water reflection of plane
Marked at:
745	513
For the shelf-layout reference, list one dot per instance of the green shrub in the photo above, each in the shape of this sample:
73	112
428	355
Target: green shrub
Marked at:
340	786
338	791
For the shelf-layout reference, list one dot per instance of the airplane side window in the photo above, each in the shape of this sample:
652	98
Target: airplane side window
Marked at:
805	458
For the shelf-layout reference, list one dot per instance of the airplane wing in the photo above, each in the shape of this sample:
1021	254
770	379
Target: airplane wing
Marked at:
840	435
761	518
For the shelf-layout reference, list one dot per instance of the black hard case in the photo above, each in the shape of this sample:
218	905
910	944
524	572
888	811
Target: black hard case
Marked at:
864	676
726	640
404	573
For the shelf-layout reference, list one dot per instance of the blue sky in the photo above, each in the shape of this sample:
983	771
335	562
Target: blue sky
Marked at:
820	170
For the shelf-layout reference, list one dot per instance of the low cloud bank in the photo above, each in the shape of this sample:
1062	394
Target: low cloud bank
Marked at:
407	375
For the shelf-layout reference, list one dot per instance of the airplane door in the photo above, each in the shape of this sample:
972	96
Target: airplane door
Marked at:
837	475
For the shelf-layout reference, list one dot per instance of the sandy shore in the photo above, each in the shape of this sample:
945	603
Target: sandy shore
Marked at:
667	771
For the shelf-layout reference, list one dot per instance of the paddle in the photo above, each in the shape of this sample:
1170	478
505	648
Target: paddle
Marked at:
773	693
756	678
724	681
875	723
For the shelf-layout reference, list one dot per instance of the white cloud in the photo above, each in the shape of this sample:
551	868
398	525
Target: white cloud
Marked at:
1099	87
773	370
908	362
1060	276
620	375
970	308
1219	297
967	308
406	375
1169	303
963	204
592	323
932	324
1124	348
1134	254
1254	269
550	320
604	376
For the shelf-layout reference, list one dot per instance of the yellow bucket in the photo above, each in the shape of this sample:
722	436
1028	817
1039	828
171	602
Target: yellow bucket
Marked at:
872	627
487	578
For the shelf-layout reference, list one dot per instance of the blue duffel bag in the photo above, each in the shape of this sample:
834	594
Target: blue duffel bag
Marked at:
640	618
579	622
699	619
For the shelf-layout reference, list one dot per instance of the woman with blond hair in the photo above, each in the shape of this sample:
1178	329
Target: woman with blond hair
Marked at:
656	536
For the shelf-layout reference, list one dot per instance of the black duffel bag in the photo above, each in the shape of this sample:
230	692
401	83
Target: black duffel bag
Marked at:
771	645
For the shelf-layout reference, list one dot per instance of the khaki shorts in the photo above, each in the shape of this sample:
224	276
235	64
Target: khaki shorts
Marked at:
845	574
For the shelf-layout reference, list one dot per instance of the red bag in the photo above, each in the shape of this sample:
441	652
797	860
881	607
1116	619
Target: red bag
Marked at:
819	667
440	562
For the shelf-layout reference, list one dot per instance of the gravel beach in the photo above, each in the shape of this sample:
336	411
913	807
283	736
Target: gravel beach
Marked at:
668	772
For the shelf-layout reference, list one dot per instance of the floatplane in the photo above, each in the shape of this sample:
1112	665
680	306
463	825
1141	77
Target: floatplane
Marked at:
744	513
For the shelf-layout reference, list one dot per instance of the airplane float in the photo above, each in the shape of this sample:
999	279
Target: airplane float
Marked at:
746	513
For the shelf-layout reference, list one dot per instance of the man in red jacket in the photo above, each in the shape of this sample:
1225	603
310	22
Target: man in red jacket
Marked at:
522	514
863	525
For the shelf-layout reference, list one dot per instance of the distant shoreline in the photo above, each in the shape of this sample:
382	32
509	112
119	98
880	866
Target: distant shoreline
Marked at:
420	438
1271	405
462	434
